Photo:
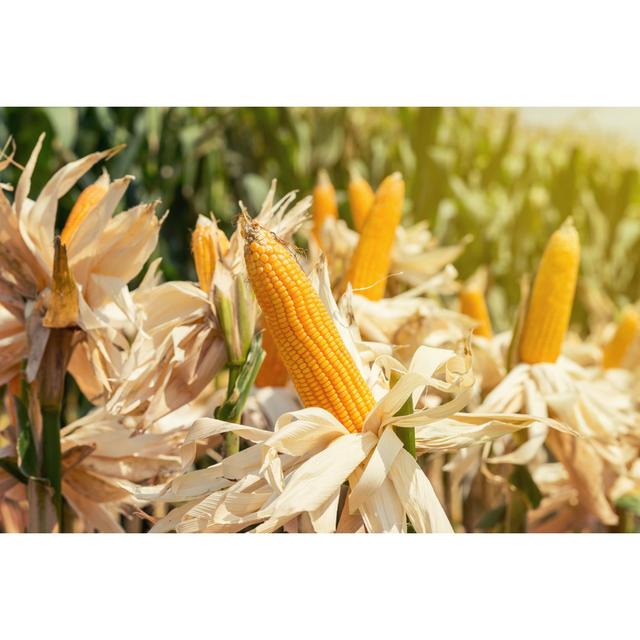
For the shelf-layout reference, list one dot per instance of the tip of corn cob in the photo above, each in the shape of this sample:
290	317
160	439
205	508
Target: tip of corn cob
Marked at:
203	248
474	305
627	331
361	197
324	205
551	300
251	230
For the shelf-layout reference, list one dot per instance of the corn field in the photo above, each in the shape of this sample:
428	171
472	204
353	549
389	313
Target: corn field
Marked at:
291	320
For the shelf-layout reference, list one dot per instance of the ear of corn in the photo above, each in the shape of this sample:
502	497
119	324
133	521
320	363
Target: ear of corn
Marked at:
206	241
551	300
626	332
305	336
369	265
272	373
204	254
86	201
473	304
361	197
324	205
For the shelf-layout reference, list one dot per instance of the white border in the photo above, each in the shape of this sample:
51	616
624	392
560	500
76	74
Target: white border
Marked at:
287	52
329	53
297	586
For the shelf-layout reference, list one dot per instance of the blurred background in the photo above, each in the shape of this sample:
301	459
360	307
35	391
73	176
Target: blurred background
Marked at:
508	177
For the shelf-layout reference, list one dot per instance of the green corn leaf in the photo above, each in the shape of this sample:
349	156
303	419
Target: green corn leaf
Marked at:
522	480
233	406
10	465
629	502
491	519
27	456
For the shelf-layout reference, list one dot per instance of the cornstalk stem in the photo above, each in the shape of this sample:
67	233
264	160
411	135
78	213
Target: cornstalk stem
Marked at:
241	378
626	521
231	443
232	440
51	378
518	507
52	454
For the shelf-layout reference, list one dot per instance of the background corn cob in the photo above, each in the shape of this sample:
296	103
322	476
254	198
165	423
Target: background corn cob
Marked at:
272	373
324	205
307	340
206	241
473	304
361	197
369	265
448	156
551	300
626	332
86	201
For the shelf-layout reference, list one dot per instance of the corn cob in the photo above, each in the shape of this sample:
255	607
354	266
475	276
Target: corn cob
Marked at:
626	332
370	261
272	373
361	199
473	304
205	251
86	201
324	205
549	311
307	340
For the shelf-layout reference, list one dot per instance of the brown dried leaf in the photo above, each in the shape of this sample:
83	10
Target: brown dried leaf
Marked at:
73	457
586	472
63	308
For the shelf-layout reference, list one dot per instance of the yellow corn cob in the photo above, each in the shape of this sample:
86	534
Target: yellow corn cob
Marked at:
86	201
549	311
626	332
307	340
370	261
272	373
361	199
324	203
205	251
473	304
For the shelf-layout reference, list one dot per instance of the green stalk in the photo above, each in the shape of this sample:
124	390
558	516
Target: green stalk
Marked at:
241	379
231	443
51	378
52	454
232	440
407	435
626	521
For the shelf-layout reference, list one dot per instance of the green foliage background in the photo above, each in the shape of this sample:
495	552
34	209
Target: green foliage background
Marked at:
468	171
